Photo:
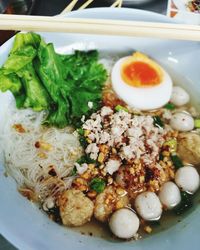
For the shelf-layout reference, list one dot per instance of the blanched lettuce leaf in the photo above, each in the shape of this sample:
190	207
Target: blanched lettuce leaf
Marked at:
25	39
63	85
10	81
19	76
19	59
50	70
36	96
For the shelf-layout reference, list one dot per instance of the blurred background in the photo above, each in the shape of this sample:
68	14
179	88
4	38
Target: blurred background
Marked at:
54	7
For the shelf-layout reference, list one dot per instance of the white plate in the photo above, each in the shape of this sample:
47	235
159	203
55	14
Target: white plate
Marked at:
24	225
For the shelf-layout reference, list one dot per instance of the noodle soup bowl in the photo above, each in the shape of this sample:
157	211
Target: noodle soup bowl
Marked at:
22	223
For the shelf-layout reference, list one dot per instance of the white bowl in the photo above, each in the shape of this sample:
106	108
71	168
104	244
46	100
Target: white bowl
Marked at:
24	225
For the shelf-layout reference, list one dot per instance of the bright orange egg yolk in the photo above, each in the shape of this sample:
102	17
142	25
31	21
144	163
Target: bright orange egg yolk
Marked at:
140	74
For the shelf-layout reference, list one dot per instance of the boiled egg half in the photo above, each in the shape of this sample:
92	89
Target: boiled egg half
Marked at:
141	82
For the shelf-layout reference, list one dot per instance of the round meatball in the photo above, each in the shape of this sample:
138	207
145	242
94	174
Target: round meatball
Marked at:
187	178
189	148
148	206
179	96
182	121
124	219
75	208
108	201
170	195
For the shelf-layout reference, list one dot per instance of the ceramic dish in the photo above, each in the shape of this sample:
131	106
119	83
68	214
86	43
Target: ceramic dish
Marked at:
24	225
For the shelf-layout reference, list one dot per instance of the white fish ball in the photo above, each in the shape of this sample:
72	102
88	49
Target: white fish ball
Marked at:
179	96
182	121
169	195
124	223
187	178
148	206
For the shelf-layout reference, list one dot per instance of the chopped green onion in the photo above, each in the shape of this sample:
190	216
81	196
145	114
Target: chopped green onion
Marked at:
172	144
85	159
83	141
97	184
197	123
80	131
170	106
185	204
119	107
161	157
176	161
158	122
74	171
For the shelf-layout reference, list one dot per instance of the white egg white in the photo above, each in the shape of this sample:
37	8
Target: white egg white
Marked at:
143	98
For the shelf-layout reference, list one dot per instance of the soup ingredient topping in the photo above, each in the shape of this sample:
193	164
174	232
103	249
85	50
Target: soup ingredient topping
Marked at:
141	82
140	71
176	161
187	178
179	96
182	121
75	208
124	223
169	195
189	147
133	137
97	185
197	123
63	85
126	149
111	199
148	206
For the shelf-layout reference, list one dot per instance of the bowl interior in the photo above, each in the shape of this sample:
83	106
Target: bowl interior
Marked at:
22	222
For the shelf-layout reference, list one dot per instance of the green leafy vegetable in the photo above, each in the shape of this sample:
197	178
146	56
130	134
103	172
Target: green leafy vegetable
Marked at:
36	96
98	185
158	122
63	85
19	75
170	106
24	39
10	82
50	70
19	59
85	78
185	204
176	161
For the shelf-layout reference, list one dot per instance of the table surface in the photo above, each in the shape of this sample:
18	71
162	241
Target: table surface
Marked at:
53	7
